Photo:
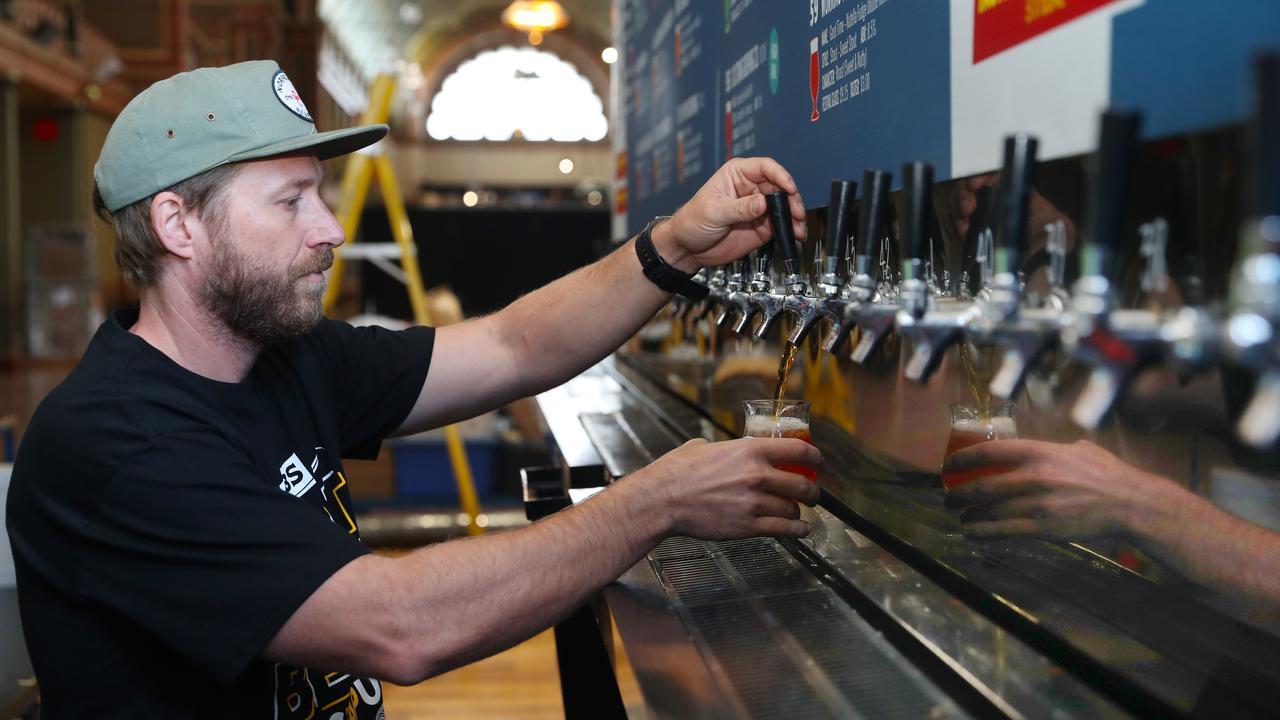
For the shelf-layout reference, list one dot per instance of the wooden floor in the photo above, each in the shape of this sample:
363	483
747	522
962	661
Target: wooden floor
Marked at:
519	683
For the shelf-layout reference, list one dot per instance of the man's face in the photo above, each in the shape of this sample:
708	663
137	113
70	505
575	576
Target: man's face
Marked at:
269	248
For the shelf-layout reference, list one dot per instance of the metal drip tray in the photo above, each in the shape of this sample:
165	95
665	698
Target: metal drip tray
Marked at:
781	643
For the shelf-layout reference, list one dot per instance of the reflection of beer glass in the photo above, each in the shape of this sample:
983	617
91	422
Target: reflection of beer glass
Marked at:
969	427
780	418
814	76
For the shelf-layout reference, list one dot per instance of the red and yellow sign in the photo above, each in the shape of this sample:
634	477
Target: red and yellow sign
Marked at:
1000	24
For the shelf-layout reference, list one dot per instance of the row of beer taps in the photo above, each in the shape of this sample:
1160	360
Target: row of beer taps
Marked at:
1115	343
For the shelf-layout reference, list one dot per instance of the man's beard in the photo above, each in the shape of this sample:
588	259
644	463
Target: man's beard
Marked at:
259	305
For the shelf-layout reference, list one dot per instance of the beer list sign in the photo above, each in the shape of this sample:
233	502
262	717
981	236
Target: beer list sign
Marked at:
669	51
832	87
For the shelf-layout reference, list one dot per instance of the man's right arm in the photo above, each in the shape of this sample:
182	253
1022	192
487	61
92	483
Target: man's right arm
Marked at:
1079	491
409	618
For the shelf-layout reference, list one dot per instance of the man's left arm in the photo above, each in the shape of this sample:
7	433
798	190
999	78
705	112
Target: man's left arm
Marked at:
554	333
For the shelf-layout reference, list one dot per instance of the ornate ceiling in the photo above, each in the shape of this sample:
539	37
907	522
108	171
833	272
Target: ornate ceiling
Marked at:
376	33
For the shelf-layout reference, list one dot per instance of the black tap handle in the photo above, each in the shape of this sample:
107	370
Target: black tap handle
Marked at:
1112	170
1265	142
784	237
917	191
840	218
871	212
1016	179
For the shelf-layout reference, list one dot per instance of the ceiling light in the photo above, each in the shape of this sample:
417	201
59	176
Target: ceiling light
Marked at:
566	165
410	13
609	55
535	17
470	198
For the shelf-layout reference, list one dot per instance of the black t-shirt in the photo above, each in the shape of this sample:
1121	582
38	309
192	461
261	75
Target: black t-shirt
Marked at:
165	525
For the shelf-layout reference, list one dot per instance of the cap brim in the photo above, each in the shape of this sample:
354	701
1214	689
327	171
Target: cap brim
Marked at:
325	145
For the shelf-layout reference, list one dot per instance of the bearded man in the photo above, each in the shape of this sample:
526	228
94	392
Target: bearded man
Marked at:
179	513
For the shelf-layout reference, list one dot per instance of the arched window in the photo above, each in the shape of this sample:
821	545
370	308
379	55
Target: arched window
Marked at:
511	93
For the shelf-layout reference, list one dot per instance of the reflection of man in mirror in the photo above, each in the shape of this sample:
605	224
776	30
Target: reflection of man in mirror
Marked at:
1080	491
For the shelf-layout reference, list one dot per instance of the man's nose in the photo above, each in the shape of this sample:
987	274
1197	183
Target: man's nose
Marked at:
328	230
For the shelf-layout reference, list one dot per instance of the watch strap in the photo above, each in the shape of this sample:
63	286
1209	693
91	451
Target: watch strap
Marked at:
667	278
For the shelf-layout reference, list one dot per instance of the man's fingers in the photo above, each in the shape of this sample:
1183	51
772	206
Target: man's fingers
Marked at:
1024	507
999	452
781	527
764	169
742	210
767	505
791	486
790	451
989	489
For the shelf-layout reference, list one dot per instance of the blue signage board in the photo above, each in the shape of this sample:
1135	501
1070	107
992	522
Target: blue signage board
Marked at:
670	95
832	87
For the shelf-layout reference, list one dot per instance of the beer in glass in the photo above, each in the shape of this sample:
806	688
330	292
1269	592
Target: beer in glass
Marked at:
780	418
970	426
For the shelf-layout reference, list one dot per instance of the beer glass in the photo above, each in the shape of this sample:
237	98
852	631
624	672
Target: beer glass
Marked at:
970	426
780	418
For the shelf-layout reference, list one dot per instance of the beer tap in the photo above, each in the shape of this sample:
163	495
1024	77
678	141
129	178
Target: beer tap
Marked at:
865	308
1023	333
932	327
1115	342
715	280
809	307
735	299
1251	337
764	300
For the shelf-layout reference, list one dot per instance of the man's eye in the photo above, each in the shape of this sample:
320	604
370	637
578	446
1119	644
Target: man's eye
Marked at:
293	202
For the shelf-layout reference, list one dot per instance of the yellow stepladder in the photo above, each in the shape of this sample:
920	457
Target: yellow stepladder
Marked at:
360	171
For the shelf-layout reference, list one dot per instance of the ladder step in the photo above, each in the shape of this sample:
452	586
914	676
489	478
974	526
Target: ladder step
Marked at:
367	251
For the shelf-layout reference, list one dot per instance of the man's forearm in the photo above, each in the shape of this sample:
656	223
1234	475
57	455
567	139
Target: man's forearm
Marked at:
465	600
563	328
1208	545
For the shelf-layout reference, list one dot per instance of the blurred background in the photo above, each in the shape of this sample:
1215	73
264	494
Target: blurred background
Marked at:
499	144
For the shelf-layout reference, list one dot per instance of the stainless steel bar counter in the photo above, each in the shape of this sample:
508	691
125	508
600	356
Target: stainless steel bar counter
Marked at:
886	609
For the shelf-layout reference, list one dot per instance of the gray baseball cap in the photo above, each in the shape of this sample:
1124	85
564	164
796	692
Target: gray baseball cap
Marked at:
198	120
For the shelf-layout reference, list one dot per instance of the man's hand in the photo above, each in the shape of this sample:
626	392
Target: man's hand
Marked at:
725	490
1065	491
726	218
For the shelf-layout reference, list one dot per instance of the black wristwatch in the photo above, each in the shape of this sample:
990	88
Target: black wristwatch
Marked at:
659	272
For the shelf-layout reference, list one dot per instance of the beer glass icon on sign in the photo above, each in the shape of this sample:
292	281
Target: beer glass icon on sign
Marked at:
814	77
970	426
780	419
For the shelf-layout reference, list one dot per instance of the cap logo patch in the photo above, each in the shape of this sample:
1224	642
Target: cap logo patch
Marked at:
288	95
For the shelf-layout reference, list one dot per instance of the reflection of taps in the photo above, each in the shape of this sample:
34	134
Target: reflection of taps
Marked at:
736	302
1116	343
1252	334
932	326
867	308
683	305
1024	333
808	308
1059	298
715	297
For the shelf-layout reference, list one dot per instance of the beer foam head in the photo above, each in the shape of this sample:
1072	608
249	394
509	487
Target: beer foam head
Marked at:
996	428
765	426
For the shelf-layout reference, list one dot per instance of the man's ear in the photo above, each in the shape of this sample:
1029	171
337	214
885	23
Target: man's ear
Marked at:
170	220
